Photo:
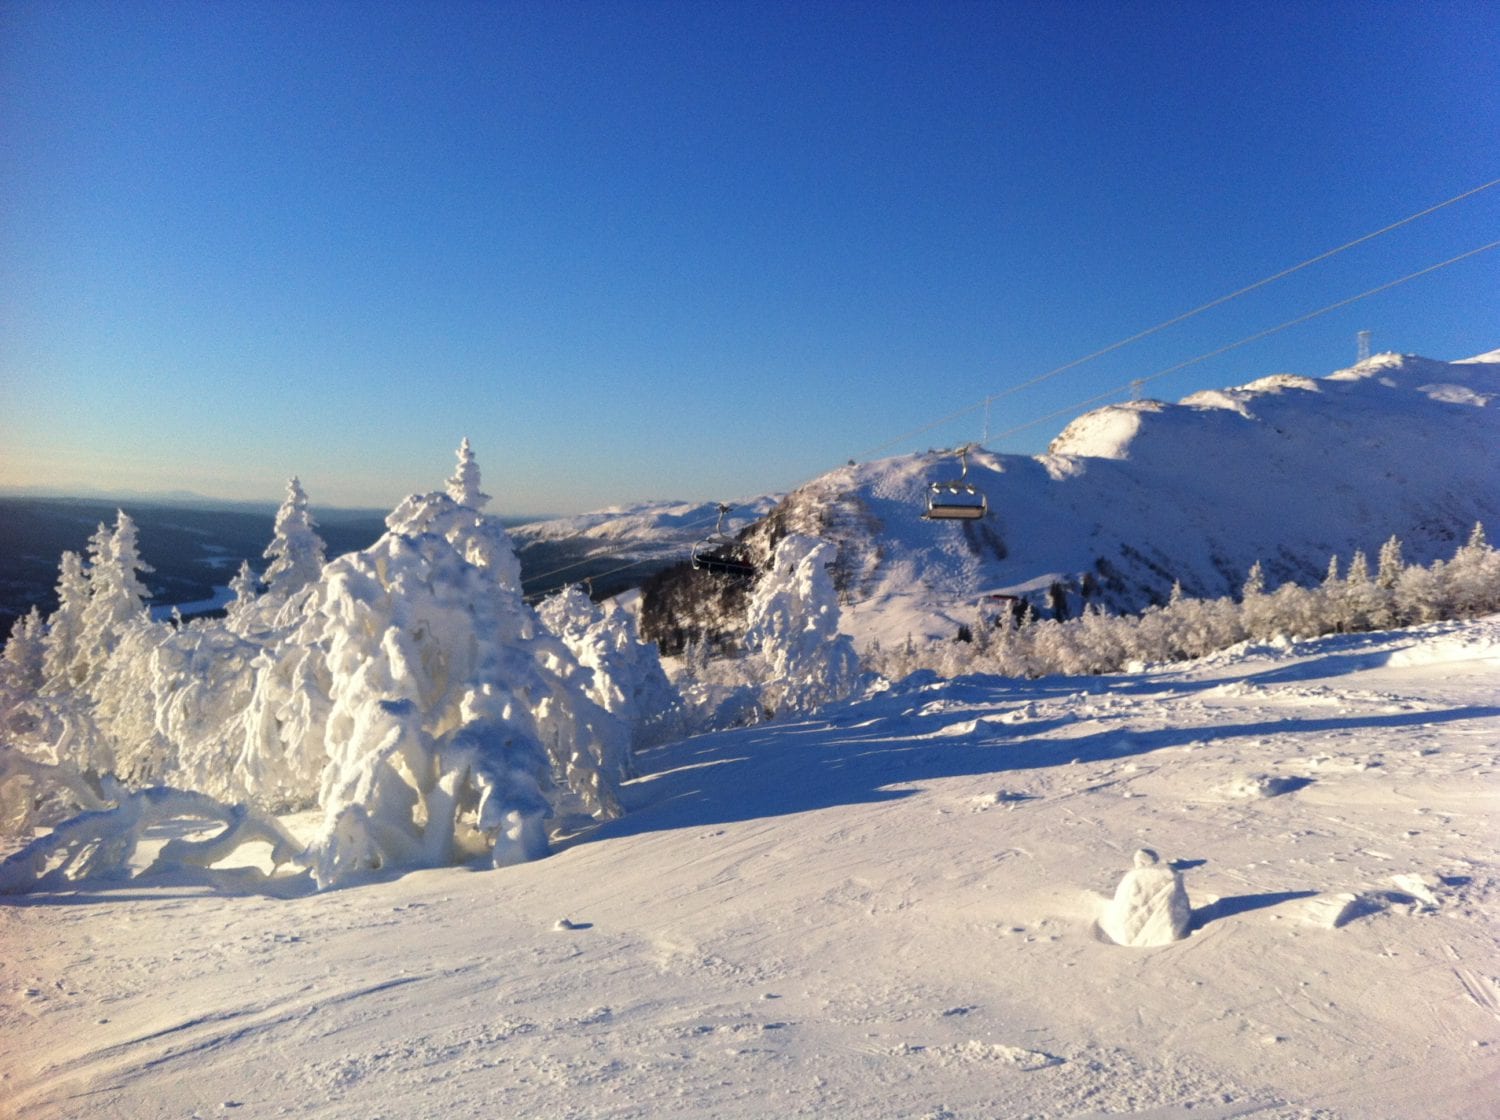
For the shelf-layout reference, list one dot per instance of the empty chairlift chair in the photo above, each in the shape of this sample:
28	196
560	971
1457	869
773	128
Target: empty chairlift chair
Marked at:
719	554
956	499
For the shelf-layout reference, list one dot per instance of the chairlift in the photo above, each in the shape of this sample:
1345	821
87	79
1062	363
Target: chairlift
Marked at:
956	499
719	554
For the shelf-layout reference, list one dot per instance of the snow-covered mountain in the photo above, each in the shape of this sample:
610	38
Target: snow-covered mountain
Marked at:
1287	470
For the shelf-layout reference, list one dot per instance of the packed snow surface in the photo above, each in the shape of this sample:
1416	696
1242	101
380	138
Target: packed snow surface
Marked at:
889	908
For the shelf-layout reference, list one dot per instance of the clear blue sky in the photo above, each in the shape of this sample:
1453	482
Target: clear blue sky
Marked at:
698	250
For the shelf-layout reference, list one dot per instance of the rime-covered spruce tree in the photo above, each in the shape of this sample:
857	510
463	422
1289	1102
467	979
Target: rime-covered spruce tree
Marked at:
421	704
627	678
65	625
794	631
296	550
412	696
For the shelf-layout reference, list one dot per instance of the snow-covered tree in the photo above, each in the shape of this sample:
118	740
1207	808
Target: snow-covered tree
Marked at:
21	669
25	651
1361	600
116	595
1473	576
240	613
463	486
296	550
1389	564
1423	594
167	706
422	705
65	625
1256	607
794	630
628	679
1388	569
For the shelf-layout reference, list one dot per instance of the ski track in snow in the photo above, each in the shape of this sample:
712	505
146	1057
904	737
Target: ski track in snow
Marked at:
884	910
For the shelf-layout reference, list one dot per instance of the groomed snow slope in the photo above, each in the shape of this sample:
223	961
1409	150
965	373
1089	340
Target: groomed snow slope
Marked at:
886	910
1286	470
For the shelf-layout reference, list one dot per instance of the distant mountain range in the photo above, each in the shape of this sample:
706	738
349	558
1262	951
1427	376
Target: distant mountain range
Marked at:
188	498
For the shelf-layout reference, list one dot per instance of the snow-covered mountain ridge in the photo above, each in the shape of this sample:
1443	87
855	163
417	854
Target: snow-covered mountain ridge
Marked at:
1287	470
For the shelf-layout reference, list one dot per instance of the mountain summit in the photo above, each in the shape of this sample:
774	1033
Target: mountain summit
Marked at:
1130	498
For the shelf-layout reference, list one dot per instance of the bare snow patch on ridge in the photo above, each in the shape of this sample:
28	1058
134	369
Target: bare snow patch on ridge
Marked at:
1279	381
1105	433
1457	394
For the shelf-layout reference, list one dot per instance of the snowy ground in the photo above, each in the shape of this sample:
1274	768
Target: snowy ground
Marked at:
886	911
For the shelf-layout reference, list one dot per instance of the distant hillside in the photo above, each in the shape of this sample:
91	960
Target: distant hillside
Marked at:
622	546
1286	470
192	551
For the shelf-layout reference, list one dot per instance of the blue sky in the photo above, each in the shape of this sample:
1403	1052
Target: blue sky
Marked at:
695	250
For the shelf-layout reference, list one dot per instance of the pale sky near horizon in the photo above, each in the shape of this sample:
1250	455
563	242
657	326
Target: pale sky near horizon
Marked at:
697	250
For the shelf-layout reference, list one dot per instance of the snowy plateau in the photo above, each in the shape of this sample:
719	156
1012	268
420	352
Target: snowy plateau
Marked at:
1263	883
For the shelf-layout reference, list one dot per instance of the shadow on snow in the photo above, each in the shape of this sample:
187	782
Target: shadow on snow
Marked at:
778	769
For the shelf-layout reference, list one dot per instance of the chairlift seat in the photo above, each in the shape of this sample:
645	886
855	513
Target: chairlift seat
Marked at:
955	511
720	555
718	564
955	501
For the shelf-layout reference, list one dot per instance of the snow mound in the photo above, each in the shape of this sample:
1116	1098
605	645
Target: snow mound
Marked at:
1457	394
1254	786
1475	642
1007	797
1105	433
1226	399
1150	906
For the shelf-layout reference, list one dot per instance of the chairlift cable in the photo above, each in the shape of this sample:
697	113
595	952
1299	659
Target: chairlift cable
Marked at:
537	596
985	401
1115	392
606	552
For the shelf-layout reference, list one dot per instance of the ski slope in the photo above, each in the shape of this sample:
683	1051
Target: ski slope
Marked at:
885	910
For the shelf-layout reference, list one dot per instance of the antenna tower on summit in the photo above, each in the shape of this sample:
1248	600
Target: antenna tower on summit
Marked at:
1364	345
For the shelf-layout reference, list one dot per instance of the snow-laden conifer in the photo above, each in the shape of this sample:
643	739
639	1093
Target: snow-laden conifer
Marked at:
463	485
21	669
65	624
1474	575
167	706
116	595
240	612
296	550
628	679
424	708
25	650
794	630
